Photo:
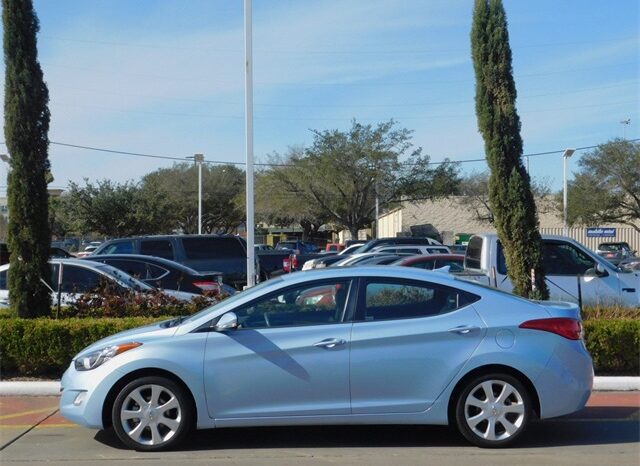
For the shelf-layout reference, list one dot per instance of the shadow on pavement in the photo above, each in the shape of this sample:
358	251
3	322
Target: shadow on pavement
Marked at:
550	433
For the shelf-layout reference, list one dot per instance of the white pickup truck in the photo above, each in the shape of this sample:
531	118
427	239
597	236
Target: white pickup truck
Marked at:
573	272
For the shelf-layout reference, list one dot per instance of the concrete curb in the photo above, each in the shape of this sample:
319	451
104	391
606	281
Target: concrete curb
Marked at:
52	388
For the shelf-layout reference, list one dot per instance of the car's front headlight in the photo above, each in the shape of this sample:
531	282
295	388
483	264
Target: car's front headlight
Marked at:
97	358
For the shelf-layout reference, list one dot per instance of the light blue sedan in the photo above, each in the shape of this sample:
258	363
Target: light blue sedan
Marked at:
366	345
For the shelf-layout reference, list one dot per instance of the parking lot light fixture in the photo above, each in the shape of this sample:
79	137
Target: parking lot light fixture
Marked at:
565	158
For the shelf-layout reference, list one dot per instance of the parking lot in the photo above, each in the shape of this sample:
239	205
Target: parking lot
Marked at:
607	432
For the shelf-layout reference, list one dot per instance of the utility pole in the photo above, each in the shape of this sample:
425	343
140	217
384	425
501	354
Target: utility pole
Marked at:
199	159
248	81
624	124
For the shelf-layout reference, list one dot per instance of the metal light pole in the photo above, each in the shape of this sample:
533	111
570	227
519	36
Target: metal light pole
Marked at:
248	87
199	158
624	124
565	156
377	213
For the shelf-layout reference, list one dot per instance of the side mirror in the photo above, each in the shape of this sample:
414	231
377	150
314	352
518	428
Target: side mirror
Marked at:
228	321
600	270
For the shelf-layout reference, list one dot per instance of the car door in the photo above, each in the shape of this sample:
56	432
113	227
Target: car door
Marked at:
565	264
289	356
409	340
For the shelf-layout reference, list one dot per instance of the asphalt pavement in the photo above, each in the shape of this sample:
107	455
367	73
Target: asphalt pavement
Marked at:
607	432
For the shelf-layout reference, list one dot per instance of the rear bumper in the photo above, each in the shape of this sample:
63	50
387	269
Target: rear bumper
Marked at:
566	383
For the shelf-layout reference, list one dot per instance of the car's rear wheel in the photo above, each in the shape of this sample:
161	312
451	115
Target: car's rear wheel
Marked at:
152	413
493	410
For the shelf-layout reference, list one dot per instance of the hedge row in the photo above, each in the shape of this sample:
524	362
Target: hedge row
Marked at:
44	347
614	345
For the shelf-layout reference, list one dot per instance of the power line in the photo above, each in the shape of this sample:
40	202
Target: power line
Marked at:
221	162
302	51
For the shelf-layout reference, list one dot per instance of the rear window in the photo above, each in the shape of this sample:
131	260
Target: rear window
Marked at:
473	254
213	248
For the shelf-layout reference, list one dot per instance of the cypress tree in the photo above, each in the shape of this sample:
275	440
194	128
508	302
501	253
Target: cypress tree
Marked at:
510	195
26	129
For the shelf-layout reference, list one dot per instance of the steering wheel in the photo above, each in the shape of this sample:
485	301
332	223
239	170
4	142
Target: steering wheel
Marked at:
266	319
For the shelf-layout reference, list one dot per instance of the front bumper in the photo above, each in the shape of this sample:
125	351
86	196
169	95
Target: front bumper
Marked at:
84	394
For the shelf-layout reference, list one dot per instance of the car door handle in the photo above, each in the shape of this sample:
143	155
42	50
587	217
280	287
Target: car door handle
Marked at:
464	329
330	343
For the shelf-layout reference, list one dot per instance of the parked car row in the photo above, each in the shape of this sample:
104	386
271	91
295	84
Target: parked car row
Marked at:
71	278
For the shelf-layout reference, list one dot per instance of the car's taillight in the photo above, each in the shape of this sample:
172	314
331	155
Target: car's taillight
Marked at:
207	285
563	326
286	264
294	262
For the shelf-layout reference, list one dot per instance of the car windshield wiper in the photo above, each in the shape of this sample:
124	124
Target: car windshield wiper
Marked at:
174	322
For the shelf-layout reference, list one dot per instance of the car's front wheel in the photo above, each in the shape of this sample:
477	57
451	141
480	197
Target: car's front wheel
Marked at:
493	410
152	413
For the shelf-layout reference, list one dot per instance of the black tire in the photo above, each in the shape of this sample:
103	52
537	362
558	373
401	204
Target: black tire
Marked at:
165	421
494	423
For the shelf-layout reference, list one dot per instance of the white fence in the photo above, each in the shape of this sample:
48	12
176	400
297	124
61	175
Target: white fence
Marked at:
629	235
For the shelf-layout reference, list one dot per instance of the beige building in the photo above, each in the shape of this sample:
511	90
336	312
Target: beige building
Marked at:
454	215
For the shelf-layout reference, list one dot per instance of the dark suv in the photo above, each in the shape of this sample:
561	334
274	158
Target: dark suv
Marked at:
204	253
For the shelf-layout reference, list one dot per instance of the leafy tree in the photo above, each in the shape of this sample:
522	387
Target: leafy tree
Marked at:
341	173
475	188
277	207
113	210
510	193
222	189
607	187
26	130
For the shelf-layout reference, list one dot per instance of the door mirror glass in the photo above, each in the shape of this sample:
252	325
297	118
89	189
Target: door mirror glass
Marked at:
600	270
228	321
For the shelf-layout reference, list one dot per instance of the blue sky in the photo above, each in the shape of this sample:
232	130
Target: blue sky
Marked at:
166	77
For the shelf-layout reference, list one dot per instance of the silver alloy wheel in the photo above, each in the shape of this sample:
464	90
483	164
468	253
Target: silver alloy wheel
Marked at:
494	410
151	414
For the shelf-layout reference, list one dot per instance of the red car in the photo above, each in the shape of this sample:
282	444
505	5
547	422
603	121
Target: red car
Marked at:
433	261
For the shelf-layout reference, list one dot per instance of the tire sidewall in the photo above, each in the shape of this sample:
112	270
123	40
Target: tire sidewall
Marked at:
461	422
186	408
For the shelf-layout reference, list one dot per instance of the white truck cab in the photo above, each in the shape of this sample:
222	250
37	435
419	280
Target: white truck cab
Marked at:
573	272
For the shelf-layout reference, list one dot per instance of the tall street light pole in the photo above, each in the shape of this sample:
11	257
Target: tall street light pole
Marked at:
199	158
565	156
248	81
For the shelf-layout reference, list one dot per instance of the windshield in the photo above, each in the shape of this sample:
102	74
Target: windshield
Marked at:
124	278
241	295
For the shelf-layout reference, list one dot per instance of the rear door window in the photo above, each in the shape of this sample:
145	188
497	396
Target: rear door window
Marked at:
159	248
79	280
213	248
394	299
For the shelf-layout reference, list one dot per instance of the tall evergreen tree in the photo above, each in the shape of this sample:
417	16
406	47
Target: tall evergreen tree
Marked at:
510	194
25	127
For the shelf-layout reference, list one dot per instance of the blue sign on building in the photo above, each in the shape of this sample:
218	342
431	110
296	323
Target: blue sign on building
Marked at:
601	232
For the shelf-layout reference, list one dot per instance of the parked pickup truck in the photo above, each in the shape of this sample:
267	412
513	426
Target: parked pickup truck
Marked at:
567	263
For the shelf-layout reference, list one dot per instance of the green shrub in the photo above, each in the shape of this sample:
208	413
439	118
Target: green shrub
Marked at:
44	347
614	346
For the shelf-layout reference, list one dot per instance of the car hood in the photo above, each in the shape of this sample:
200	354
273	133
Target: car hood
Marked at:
139	334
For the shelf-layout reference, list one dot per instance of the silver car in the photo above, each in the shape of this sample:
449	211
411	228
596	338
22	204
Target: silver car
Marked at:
364	345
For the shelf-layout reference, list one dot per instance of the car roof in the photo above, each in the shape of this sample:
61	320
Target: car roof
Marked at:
148	259
430	257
